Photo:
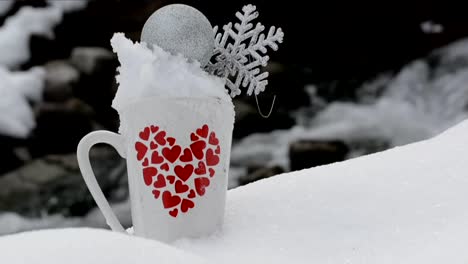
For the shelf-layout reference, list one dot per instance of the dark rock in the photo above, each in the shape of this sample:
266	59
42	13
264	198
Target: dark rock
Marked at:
249	121
256	174
9	157
310	153
61	77
53	184
91	60
97	85
60	126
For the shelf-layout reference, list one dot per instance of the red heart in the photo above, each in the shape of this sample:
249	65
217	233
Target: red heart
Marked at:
211	158
213	140
171	140
170	200
160	182
160	138
148	174
156	193
155	158
172	154
203	132
197	149
171	179
186	205
184	172
187	157
165	167
201	184
193	137
191	195
174	212
201	168
145	133
181	187
153	145
154	129
196	159
141	150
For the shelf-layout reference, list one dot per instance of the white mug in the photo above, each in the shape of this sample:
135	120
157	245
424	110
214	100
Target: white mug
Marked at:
177	152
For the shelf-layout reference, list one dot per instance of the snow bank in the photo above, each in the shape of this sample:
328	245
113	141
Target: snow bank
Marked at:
88	246
156	73
17	90
404	205
423	99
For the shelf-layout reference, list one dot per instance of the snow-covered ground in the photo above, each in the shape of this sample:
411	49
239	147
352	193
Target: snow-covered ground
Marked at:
404	205
426	97
16	88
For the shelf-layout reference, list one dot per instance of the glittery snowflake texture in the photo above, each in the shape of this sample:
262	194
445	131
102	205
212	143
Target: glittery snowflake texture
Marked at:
241	50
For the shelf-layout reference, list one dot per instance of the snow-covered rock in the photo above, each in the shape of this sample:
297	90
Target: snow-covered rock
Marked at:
404	205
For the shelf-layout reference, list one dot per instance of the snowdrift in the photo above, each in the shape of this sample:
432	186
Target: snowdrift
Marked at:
405	205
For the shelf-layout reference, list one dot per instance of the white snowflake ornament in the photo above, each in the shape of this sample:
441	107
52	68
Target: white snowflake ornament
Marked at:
241	50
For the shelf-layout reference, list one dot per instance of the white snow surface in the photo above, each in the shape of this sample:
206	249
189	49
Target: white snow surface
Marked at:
154	72
404	205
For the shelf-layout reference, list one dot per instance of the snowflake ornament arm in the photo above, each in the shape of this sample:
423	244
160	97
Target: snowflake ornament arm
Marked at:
241	50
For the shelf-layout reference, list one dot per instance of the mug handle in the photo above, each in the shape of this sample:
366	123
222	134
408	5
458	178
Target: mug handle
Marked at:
116	141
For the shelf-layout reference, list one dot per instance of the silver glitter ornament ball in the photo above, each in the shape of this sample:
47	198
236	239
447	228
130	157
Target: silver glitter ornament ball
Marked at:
181	29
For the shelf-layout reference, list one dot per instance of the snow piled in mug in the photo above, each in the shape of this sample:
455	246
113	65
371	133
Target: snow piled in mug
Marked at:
146	72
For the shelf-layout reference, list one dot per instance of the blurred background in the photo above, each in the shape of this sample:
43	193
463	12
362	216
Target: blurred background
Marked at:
351	78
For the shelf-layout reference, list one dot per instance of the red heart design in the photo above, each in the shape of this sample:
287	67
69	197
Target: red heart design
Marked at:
191	194
171	179
197	149
211	158
156	193
154	129
171	140
193	137
141	150
145	133
180	187
187	157
182	166
165	167
155	158
201	168
213	140
160	182
174	212
153	145
186	205
201	184
170	200
148	174
172	154
161	138
203	132
184	172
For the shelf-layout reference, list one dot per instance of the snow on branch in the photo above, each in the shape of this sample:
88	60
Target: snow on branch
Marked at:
241	50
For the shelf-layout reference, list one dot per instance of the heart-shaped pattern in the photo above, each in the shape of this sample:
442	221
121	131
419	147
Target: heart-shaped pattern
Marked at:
170	169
